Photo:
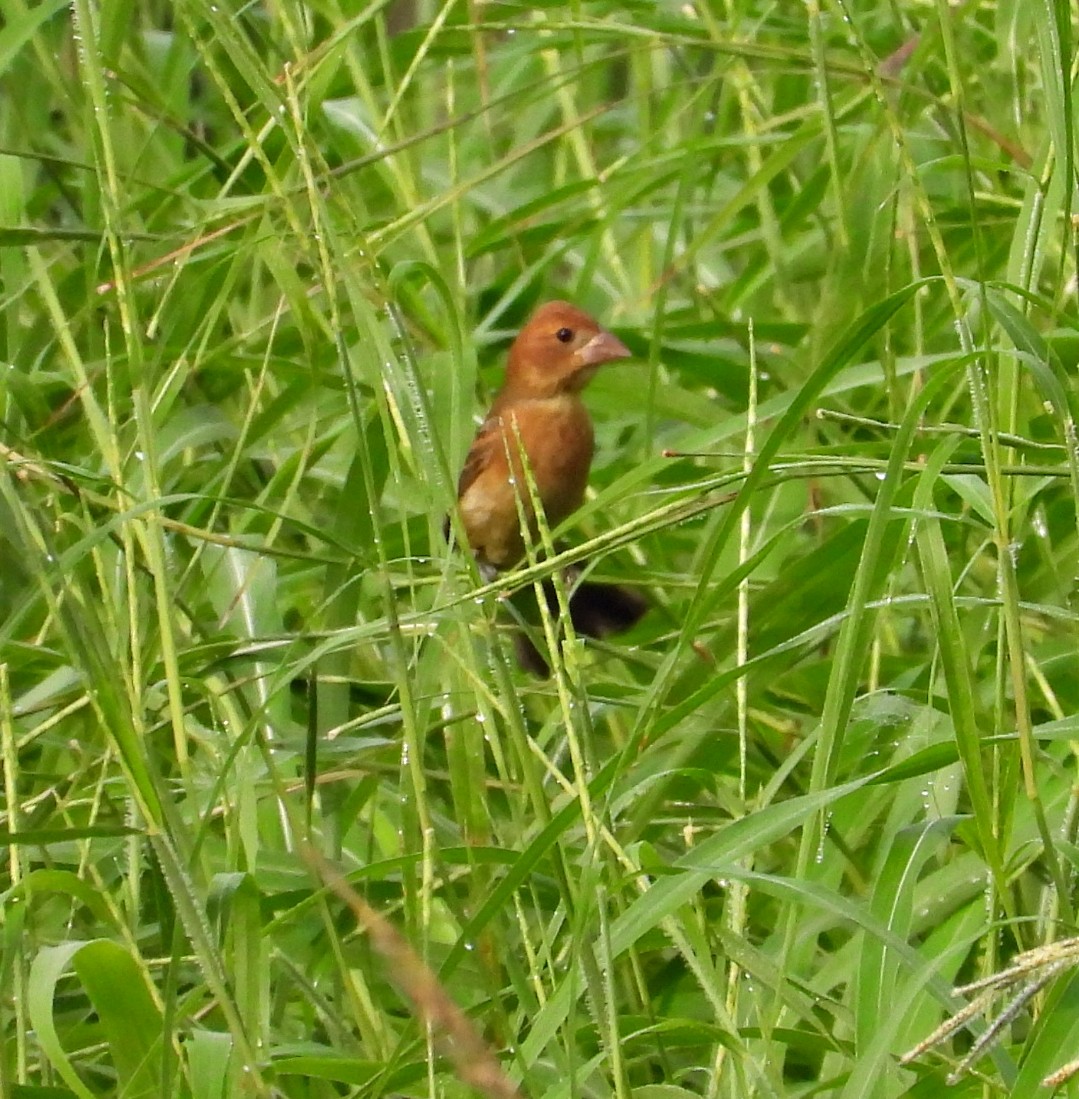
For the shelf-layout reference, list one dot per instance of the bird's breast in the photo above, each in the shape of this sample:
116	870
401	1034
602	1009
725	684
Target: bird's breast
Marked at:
557	438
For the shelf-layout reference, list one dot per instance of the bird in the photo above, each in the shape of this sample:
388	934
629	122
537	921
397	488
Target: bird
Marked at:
539	413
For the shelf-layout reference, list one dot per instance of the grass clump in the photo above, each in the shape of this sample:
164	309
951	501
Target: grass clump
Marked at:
259	267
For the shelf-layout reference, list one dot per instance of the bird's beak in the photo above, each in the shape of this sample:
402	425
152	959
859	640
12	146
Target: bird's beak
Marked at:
602	348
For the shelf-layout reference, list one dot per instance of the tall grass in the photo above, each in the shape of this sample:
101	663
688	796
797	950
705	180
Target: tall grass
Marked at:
259	267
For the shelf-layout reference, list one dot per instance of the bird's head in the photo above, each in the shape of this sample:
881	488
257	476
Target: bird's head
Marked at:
559	350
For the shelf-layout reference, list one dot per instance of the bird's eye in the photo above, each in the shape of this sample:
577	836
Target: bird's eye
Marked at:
564	335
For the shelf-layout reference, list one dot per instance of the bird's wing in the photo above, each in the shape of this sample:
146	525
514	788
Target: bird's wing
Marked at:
487	450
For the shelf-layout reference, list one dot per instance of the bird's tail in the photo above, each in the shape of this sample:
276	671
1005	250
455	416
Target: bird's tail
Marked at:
599	610
596	610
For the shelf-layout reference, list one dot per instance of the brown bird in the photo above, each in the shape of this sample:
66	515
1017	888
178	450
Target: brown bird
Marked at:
539	411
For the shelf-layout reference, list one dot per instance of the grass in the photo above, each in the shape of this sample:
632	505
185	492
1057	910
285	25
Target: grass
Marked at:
259	266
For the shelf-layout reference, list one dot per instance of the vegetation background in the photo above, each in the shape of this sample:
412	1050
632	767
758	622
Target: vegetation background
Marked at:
259	266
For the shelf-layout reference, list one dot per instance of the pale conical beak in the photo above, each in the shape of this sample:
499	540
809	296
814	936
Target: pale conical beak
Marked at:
602	348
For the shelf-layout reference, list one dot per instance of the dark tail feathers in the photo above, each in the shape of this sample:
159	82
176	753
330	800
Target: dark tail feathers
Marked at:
599	610
596	610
